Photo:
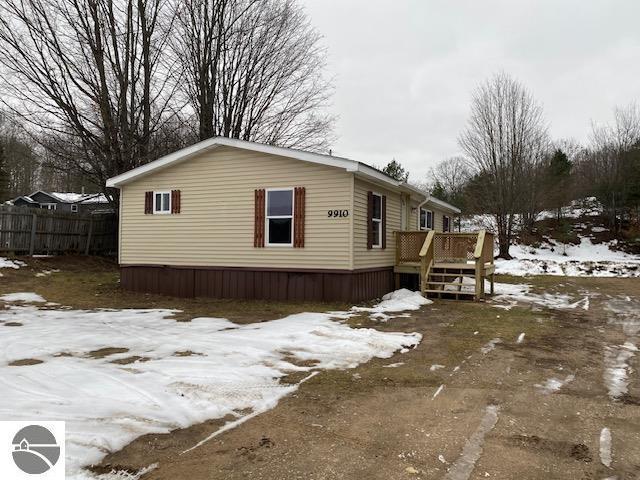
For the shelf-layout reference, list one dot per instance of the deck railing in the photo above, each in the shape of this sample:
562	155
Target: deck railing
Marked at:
428	249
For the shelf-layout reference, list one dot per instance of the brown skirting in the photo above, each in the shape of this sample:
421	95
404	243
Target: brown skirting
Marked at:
259	283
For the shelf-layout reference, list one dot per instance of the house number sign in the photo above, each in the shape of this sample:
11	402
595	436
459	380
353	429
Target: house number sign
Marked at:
338	213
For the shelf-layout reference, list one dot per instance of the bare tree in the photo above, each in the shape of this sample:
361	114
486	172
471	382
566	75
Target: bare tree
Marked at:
505	137
613	165
254	71
448	179
92	74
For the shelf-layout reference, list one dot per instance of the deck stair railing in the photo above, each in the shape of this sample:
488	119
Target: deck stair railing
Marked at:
442	258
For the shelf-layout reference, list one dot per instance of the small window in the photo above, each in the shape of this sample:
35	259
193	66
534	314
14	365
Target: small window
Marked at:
48	206
161	202
446	224
74	208
426	219
279	217
376	221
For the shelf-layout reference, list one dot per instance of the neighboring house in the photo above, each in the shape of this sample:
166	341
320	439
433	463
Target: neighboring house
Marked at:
227	218
82	203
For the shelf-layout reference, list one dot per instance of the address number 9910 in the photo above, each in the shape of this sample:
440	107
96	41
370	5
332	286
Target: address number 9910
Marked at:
337	213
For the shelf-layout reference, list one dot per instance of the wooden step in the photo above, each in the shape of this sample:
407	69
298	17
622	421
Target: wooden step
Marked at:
454	284
449	292
443	274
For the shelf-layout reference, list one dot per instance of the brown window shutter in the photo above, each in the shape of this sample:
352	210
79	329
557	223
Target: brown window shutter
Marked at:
175	201
384	221
258	235
298	217
148	203
369	220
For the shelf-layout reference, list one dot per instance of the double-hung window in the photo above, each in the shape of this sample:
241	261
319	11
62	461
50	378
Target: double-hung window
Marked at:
279	217
376	221
426	219
161	202
74	208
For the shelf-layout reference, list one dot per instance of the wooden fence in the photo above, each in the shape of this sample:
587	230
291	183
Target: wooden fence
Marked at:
33	231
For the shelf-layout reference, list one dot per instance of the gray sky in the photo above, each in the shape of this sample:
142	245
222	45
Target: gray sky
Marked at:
405	70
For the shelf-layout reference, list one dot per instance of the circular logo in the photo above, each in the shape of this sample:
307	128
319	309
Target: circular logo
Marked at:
35	450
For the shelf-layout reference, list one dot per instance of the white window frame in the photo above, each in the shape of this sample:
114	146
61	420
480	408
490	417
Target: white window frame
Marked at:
443	223
161	192
426	212
377	221
267	216
74	208
49	206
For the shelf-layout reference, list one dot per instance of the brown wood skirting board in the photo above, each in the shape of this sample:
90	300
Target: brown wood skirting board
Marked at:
259	283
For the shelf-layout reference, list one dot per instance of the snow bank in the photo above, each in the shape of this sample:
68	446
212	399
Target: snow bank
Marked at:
26	297
170	374
6	263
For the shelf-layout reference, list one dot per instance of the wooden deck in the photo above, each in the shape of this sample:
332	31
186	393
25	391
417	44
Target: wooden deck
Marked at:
450	265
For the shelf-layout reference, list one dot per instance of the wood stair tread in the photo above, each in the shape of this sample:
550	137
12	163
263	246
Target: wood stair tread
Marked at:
449	292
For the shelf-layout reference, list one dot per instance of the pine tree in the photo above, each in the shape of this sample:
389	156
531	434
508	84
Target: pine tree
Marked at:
558	180
395	170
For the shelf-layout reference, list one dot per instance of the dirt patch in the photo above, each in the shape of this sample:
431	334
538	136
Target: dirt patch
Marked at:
186	353
25	362
132	359
105	352
577	451
13	324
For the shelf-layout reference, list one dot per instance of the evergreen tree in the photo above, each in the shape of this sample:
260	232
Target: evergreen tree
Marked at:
558	181
395	170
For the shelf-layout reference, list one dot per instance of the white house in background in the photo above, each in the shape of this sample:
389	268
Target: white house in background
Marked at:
64	202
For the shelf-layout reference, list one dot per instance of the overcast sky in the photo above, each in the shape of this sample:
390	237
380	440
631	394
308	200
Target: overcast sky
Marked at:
404	70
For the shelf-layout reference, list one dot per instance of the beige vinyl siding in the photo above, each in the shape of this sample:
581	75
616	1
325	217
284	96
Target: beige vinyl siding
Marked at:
216	223
376	257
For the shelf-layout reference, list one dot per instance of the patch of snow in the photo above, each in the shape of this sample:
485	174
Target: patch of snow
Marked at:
599	229
397	301
552	385
26	297
490	345
509	295
106	405
605	447
520	338
15	264
616	362
435	367
394	365
464	465
440	388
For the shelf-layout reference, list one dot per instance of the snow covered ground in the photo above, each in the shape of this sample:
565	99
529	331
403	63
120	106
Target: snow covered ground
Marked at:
7	263
585	259
114	375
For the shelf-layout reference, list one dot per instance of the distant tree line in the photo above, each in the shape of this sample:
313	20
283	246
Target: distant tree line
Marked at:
94	88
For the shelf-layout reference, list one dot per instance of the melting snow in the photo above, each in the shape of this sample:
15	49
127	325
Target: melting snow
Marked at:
616	364
490	345
435	367
605	447
397	301
554	384
6	263
26	297
189	371
440	388
463	466
520	338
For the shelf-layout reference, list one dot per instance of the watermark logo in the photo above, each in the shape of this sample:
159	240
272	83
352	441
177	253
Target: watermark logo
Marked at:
33	450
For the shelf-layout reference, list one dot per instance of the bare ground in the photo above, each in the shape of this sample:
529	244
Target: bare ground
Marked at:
375	422
488	419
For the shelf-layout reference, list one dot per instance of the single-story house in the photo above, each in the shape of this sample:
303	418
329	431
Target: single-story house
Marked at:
68	202
227	218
